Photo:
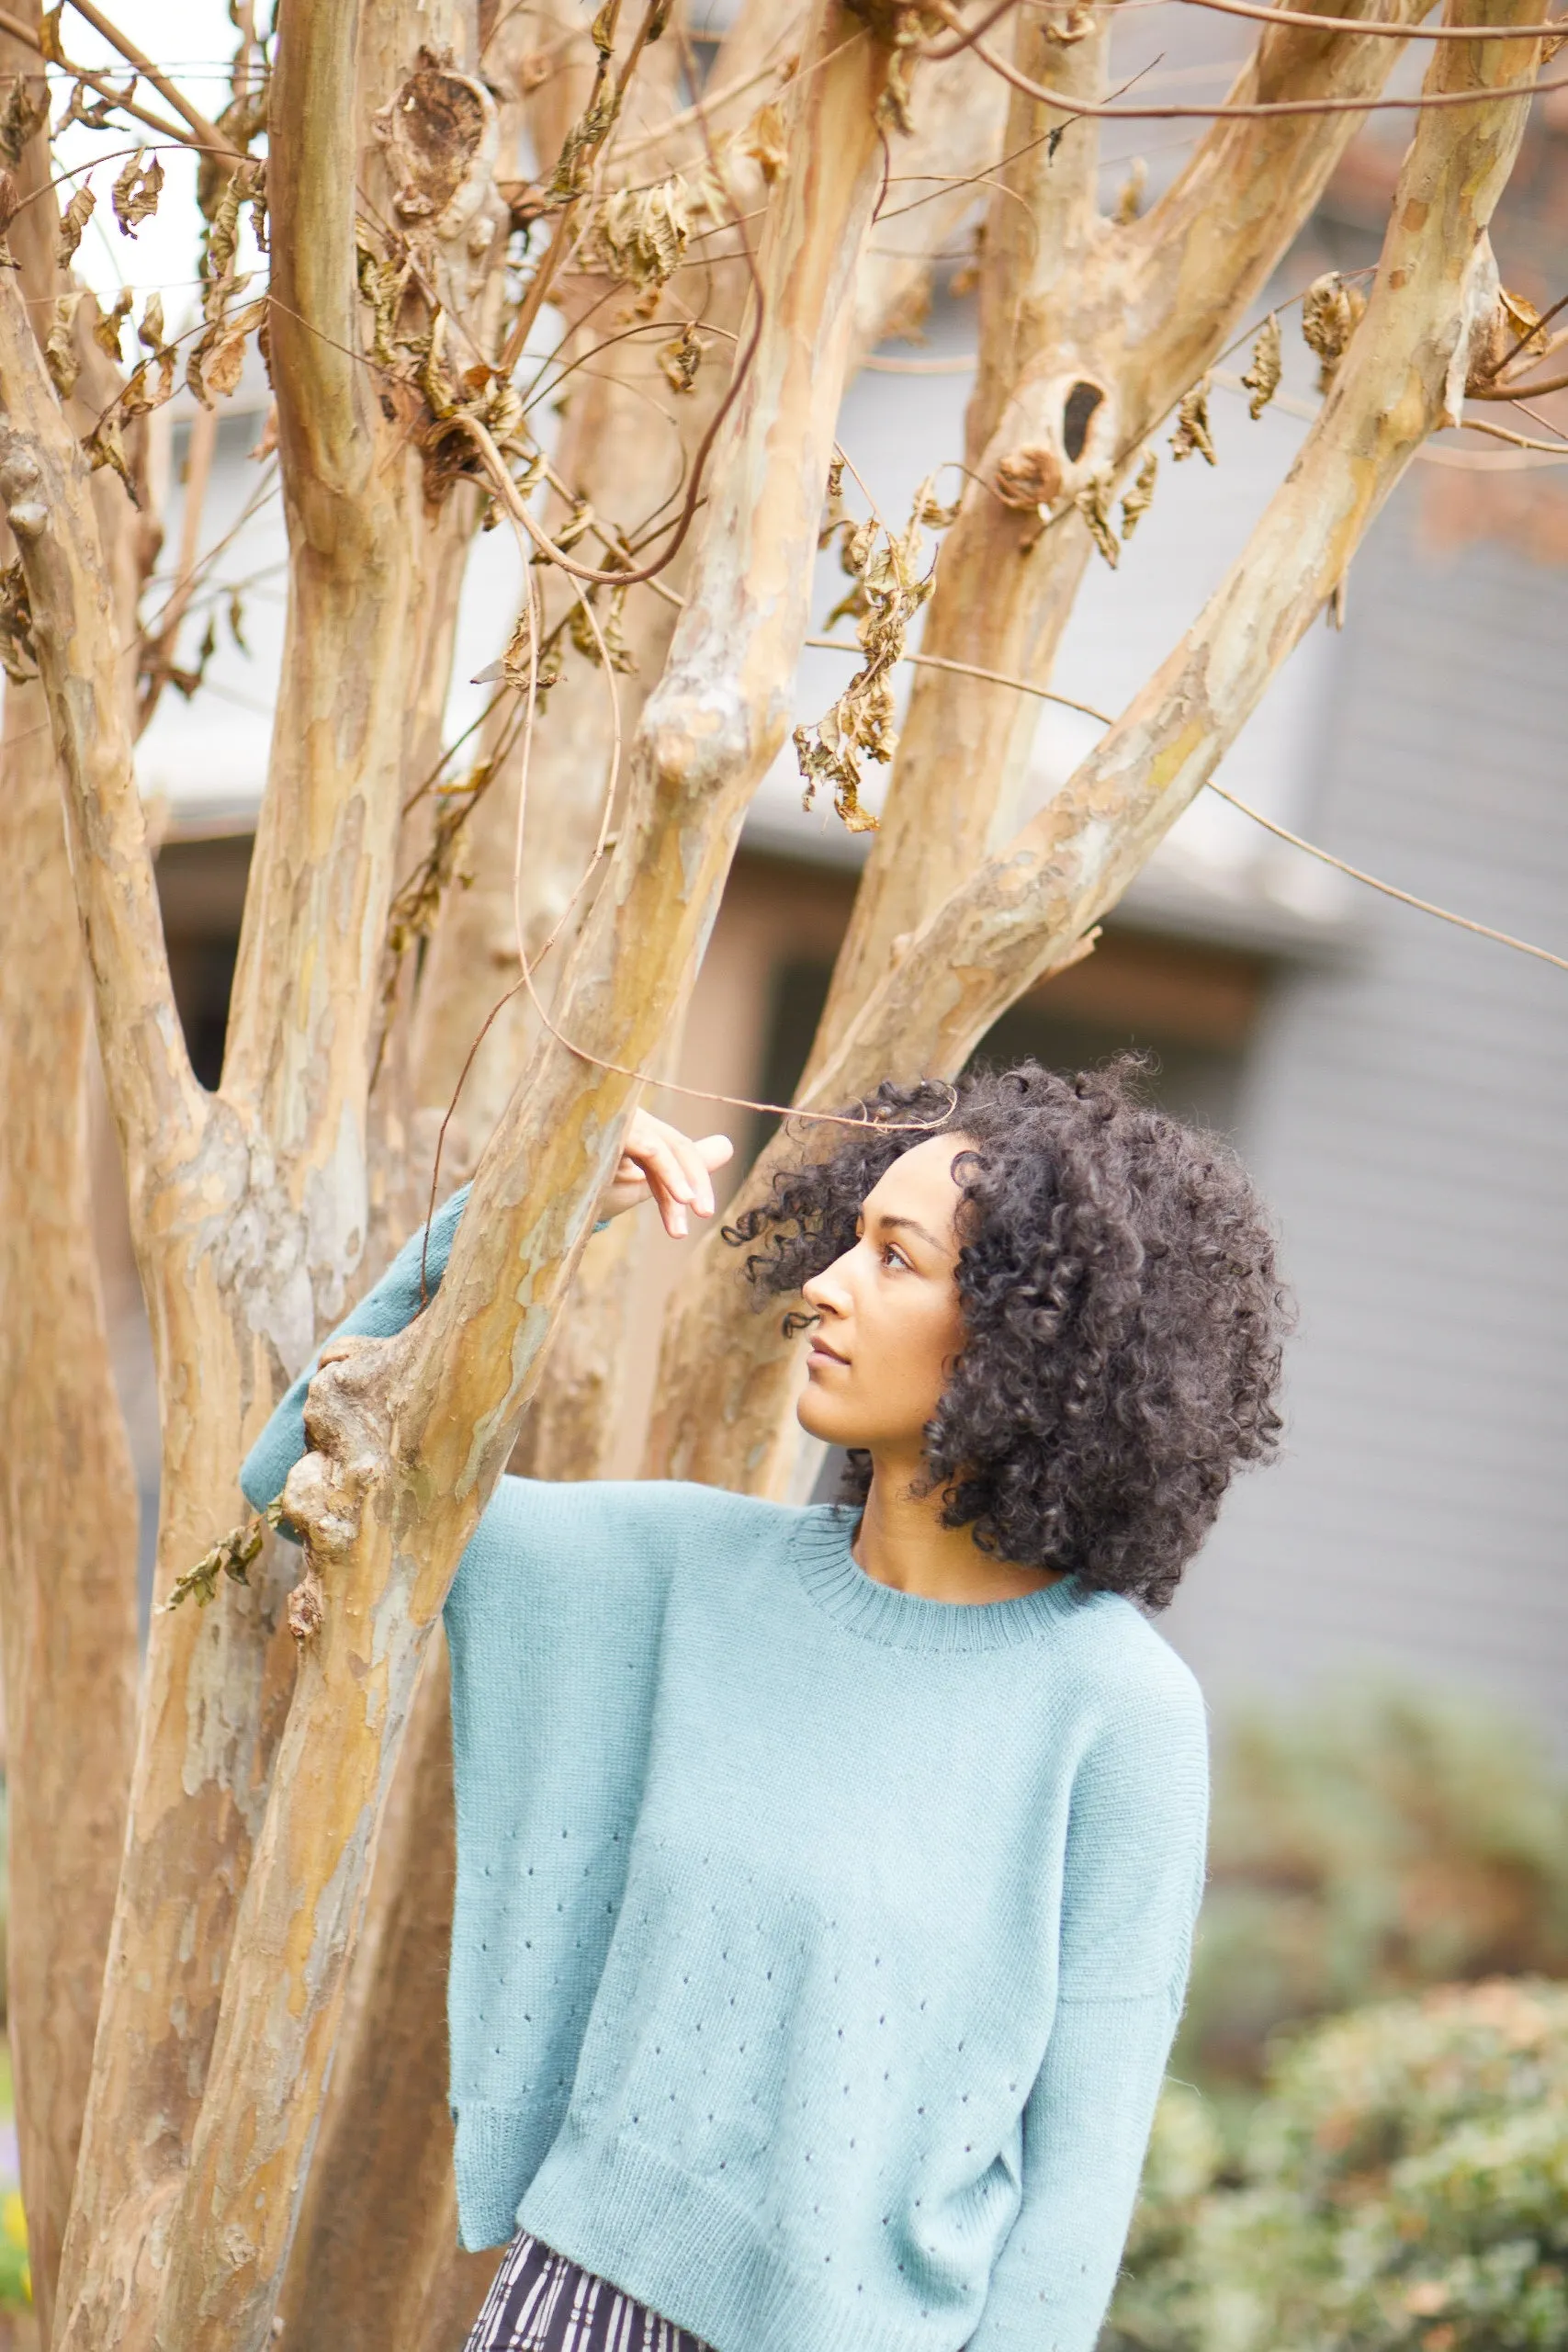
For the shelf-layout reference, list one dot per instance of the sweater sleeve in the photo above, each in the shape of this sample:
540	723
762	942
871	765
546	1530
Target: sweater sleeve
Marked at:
394	1303
1132	1885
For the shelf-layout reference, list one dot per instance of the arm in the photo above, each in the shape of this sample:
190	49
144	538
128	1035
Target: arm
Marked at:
658	1163
1132	1880
394	1302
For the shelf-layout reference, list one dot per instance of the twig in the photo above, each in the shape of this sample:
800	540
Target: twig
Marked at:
170	92
1406	897
968	670
1325	857
28	37
1520	391
1261	109
1519	440
1265	16
199	473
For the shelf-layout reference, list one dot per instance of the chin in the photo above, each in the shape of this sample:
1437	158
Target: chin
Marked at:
817	1419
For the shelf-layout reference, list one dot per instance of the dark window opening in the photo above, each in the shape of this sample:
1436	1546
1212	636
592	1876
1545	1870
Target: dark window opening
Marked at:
1081	404
1189	1010
201	885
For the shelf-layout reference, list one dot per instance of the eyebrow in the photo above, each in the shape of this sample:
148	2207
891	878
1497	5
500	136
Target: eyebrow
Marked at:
908	1225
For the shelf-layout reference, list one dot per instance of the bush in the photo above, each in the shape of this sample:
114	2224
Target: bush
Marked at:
1403	2188
1366	1848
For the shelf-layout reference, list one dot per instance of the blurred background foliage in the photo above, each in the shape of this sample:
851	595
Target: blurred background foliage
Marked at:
1401	2187
1364	2146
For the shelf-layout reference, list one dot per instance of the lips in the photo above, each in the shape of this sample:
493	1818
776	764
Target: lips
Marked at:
820	1349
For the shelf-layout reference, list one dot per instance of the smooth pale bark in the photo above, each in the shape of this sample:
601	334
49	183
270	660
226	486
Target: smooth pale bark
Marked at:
419	1430
68	1507
69	1516
1023	911
1068	297
378	2225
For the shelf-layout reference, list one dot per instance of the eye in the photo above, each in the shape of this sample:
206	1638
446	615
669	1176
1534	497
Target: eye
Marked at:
891	1255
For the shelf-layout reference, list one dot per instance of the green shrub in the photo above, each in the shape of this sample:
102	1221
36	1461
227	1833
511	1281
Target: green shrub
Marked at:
1403	2188
1364	1848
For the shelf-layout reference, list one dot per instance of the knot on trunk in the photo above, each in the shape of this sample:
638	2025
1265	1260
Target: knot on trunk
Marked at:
348	1422
1028	477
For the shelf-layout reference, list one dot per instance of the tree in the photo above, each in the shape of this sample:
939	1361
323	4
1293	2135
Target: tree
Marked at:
284	1762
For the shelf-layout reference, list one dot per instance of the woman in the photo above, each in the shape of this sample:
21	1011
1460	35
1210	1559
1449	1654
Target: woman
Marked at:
826	1877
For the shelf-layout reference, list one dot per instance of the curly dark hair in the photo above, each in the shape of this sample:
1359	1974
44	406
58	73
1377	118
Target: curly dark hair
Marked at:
1122	1304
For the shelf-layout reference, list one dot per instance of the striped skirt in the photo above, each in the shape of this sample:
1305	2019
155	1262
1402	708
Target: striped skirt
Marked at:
541	2303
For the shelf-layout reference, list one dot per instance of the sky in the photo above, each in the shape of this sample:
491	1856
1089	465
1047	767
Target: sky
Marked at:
194	41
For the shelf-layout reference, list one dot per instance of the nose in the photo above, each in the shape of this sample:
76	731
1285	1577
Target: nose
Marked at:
827	1292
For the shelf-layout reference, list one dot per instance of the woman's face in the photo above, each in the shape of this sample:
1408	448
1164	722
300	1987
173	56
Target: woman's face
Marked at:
890	1317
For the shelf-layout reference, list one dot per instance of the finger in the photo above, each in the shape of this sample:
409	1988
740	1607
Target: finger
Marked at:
695	1169
658	1152
716	1150
668	1183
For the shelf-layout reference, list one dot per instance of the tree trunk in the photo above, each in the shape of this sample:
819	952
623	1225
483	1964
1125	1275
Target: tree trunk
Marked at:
68	1508
729	1374
705	738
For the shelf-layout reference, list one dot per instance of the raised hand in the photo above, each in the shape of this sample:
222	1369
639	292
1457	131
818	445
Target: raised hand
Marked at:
657	1160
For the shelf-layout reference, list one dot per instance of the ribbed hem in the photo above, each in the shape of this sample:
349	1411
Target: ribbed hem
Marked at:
821	1538
495	2155
675	2244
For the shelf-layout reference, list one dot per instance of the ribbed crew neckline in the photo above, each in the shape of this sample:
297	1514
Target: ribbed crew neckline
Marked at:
835	1580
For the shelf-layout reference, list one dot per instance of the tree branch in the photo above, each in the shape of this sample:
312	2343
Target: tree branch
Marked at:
207	134
1022	911
324	440
157	1104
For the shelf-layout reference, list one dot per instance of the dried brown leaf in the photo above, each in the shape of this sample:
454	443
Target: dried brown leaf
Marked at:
1093	503
72	222
681	359
888	590
1525	320
763	139
1191	436
1130	196
48	36
105	446
136	192
24	111
107	324
1140	498
97	112
60	356
18	654
610	629
1331	308
640	233
218	360
1263	378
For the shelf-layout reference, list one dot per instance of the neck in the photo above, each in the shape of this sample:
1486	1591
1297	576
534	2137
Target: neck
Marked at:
901	1542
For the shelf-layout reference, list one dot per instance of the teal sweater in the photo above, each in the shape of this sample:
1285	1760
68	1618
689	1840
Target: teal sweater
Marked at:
817	1948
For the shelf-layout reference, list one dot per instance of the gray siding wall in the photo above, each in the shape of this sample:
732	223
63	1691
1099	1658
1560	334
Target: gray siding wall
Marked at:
1408	1118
